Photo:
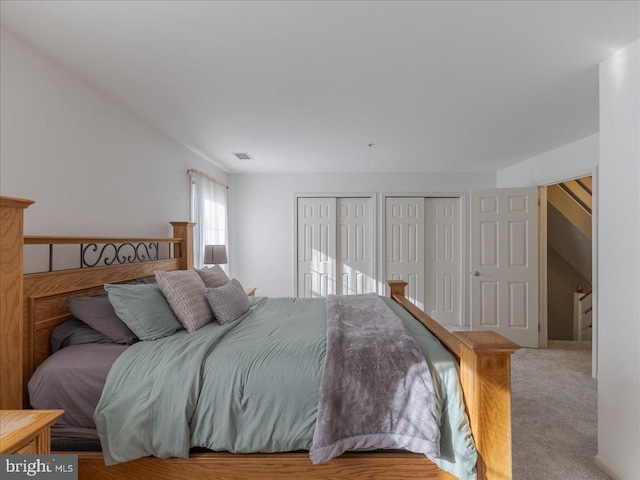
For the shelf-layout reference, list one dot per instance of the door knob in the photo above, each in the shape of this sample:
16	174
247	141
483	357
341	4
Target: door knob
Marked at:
476	273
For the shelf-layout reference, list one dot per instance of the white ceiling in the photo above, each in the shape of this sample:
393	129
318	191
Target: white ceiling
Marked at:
307	86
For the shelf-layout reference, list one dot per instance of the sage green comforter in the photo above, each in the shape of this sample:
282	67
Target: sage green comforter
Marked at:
249	386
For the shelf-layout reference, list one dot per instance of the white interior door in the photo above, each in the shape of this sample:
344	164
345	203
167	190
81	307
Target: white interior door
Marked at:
405	244
354	269
442	260
316	247
504	263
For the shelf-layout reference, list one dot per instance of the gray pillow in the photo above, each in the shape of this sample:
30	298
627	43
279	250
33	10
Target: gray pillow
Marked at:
144	309
213	277
97	312
74	332
186	294
228	302
146	280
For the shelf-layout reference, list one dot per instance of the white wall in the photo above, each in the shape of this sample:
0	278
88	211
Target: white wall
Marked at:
616	152
575	159
92	166
262	216
619	265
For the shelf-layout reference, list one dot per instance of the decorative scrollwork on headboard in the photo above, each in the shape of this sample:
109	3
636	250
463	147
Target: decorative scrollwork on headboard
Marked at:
99	251
112	253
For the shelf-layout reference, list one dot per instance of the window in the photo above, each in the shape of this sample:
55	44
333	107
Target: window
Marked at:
208	212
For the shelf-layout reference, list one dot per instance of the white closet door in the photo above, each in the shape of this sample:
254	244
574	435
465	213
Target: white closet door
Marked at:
355	246
316	247
442	260
405	244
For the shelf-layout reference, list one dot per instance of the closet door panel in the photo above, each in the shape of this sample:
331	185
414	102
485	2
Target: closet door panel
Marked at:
335	241
316	247
442	259
405	244
355	246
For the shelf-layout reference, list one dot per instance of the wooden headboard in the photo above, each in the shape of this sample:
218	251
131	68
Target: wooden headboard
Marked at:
33	304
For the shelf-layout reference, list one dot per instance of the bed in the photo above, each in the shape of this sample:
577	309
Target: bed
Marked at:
33	304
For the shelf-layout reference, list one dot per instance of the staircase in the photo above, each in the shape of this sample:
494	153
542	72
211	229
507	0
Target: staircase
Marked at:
582	315
569	217
580	190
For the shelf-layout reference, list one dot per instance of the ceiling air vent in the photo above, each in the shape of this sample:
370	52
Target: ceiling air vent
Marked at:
243	156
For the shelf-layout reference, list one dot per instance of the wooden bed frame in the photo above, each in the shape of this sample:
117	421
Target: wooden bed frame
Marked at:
32	304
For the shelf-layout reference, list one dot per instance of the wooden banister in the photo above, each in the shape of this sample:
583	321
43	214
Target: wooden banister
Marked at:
582	315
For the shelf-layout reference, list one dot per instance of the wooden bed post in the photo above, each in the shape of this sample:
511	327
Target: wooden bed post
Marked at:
11	273
485	375
185	230
395	287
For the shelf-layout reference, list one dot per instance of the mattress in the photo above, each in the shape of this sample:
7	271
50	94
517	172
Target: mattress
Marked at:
72	379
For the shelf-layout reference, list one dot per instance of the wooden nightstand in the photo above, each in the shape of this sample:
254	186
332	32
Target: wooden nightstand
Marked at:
26	432
250	291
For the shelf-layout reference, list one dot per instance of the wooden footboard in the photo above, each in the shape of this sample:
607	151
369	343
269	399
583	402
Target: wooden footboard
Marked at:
485	375
265	466
31	305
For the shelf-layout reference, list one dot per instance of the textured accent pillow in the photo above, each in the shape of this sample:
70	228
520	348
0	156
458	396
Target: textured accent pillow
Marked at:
144	309
186	294
228	302
97	312
213	277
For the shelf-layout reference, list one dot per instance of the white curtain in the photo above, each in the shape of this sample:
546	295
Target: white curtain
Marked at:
209	212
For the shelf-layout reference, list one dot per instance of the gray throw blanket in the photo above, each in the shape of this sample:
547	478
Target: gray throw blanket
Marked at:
376	390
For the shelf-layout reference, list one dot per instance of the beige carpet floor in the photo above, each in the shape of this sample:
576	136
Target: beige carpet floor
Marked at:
554	413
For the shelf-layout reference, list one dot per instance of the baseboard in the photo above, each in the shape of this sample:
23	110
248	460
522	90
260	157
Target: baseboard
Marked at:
606	468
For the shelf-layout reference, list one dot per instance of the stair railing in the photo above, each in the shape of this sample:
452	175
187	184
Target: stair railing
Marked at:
577	195
582	314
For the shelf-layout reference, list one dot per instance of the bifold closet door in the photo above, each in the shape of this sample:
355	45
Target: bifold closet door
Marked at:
442	260
423	249
335	246
405	244
316	247
355	246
